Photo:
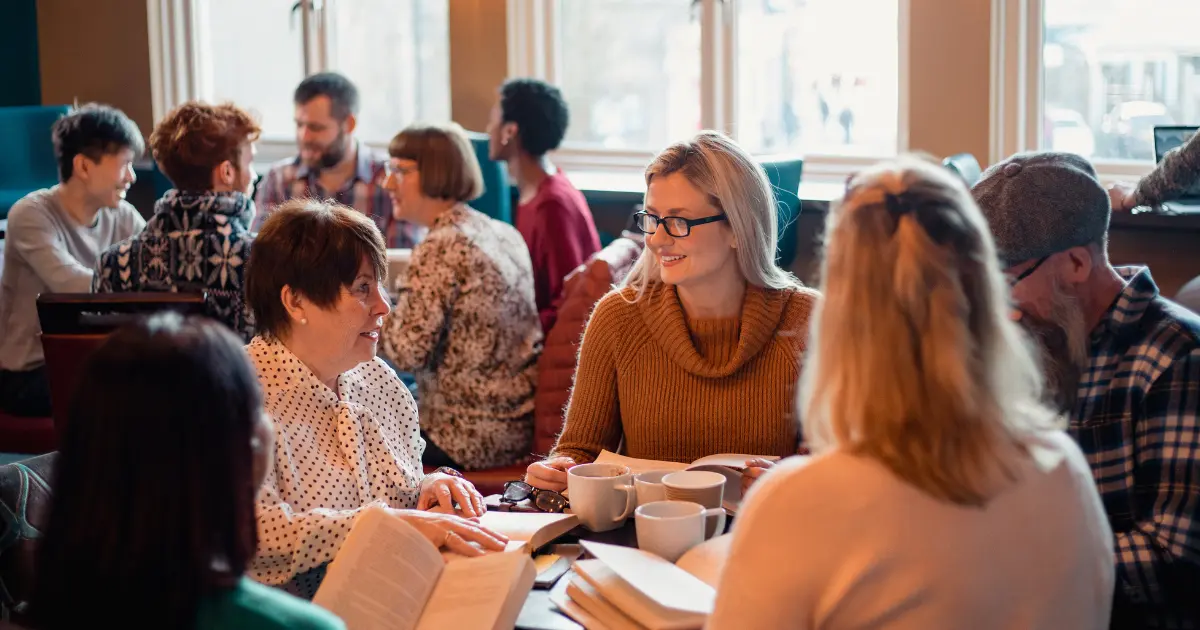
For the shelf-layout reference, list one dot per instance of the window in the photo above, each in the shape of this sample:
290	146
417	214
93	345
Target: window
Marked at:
816	77
1113	69
255	53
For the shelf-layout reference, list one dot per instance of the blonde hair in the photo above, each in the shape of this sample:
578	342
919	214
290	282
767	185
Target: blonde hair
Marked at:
913	360
737	186
445	158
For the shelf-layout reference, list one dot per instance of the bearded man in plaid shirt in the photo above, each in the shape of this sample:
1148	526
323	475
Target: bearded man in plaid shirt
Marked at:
1124	364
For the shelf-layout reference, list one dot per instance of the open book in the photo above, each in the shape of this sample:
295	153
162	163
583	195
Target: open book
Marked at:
534	529
626	588
388	576
729	464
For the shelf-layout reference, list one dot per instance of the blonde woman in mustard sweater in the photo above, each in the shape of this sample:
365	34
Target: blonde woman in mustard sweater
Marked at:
941	493
699	352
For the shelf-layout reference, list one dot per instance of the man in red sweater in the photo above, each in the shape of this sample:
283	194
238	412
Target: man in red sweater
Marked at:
528	121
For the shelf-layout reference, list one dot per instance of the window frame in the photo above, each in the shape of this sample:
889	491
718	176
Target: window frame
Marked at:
177	71
1018	86
534	48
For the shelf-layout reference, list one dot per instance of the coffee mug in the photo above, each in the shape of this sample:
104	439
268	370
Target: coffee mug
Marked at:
602	495
649	486
669	528
699	486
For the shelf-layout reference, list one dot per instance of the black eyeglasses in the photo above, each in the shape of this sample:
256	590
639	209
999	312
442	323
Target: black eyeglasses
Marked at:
1028	272
678	227
544	500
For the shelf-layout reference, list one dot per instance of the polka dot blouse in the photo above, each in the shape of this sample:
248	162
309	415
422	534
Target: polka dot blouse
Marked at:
333	457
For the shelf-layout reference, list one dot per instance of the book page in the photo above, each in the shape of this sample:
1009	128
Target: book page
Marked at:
633	602
735	461
584	594
707	560
637	466
560	599
480	593
661	581
537	529
383	574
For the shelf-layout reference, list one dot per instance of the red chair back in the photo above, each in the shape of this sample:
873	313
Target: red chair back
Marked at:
75	324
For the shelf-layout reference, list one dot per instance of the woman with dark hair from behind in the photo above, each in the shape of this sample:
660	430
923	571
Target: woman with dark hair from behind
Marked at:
153	515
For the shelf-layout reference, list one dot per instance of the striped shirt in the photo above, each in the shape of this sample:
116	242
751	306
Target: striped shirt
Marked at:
1136	419
291	179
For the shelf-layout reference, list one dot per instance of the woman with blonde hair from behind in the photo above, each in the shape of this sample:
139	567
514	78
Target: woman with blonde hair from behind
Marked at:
699	352
941	493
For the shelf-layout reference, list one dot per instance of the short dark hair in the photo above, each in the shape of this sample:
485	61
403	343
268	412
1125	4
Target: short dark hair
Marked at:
540	112
196	137
93	130
342	93
314	247
154	493
445	158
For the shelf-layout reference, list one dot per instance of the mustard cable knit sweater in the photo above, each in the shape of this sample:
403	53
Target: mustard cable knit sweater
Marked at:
677	389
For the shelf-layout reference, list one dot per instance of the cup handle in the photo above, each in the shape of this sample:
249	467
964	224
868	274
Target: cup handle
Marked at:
718	512
630	502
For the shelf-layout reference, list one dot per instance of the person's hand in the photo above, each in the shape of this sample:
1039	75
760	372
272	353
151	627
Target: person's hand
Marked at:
755	468
439	492
462	536
1123	196
549	474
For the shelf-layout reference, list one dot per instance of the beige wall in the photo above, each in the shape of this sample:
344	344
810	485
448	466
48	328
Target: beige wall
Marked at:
96	50
478	59
949	76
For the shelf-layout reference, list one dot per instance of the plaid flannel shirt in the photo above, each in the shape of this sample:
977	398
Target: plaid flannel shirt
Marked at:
289	179
1138	420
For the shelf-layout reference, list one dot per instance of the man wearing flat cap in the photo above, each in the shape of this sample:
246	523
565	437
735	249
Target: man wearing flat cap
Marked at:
1124	364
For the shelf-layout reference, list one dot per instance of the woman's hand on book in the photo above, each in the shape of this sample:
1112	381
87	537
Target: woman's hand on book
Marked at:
754	469
440	492
460	535
549	474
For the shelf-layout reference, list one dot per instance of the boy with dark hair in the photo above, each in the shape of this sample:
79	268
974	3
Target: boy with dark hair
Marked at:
528	121
54	237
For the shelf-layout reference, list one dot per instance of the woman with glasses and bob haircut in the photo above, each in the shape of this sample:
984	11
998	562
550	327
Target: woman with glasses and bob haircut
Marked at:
466	323
699	352
948	494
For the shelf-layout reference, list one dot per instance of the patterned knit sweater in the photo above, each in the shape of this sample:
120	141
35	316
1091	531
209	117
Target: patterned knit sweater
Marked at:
676	388
1178	173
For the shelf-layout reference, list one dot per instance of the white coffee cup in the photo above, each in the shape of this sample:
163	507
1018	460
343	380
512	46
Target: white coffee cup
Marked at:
700	486
602	495
669	528
649	486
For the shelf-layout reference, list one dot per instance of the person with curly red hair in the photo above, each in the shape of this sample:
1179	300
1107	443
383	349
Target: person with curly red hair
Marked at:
199	237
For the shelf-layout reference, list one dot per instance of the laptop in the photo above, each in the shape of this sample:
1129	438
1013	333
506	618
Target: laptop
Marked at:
1167	138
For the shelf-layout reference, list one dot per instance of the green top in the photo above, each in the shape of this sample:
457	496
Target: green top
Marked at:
252	606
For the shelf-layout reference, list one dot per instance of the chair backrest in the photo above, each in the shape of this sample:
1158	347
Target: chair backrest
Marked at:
26	151
25	497
496	201
784	175
1189	295
75	324
966	166
556	365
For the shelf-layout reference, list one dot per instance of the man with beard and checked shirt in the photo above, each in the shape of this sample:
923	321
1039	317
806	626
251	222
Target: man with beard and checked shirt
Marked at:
331	163
1124	366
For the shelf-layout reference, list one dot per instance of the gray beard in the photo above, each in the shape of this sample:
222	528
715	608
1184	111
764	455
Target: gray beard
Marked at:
1063	340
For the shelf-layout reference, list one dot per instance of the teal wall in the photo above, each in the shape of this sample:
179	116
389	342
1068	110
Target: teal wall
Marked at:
20	83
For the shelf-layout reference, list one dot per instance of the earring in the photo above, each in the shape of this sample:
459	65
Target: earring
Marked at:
303	321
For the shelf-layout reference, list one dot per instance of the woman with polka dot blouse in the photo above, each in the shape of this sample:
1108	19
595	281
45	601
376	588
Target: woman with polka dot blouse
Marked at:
346	428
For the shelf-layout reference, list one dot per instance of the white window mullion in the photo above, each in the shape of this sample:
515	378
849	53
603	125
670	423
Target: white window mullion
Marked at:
710	64
728	89
531	38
